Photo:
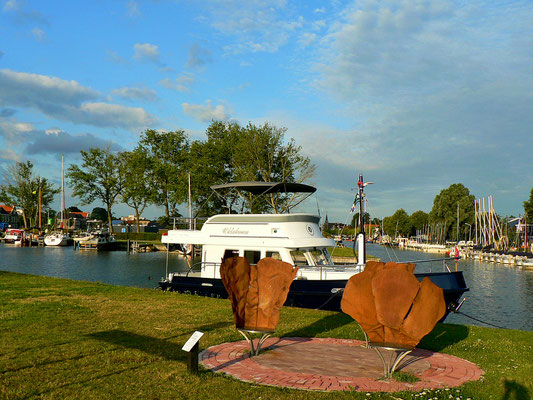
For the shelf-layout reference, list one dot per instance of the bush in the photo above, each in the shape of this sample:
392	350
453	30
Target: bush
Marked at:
152	236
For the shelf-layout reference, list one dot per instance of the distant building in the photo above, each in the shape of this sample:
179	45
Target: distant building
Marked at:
9	217
128	225
77	220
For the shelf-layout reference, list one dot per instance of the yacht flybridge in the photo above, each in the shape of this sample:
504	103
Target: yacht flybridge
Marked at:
293	238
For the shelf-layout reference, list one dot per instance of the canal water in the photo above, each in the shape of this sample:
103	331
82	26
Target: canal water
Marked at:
500	295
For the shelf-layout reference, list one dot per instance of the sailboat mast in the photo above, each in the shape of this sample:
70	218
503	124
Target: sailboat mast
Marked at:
62	190
190	203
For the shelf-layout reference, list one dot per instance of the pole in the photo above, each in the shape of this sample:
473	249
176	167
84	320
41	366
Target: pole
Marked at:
40	202
361	256
458	237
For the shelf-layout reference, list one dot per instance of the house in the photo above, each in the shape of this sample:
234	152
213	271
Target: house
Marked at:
128	224
77	220
9	217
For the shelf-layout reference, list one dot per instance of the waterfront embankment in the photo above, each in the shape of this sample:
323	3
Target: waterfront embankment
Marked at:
71	339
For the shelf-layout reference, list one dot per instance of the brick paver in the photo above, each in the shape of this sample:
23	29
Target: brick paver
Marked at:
326	364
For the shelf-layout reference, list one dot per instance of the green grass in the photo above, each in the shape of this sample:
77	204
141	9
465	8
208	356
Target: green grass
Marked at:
67	339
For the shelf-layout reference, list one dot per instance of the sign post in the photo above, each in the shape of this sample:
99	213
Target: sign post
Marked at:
191	347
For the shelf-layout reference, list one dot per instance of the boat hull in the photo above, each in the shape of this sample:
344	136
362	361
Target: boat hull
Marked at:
315	294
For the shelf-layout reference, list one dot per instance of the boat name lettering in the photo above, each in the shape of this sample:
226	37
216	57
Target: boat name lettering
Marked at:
234	231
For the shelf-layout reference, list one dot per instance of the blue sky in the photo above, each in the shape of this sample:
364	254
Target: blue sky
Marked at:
416	95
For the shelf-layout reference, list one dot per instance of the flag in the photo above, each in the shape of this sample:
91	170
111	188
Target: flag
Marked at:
352	209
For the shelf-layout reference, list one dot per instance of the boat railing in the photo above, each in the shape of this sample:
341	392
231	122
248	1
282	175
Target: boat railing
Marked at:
445	266
188	223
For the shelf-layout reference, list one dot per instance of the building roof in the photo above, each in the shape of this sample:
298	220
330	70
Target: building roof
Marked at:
4	209
80	213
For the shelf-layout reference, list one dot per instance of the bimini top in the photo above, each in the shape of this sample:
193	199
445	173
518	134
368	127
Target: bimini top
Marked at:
267	187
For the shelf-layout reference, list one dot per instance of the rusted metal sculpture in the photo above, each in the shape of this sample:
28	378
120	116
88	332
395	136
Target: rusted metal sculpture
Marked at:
392	307
257	293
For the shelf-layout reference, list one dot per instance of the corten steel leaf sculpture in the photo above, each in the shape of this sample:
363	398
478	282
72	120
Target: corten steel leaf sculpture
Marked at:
391	306
257	293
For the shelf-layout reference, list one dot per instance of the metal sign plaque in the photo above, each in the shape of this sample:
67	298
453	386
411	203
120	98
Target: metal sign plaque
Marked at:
195	337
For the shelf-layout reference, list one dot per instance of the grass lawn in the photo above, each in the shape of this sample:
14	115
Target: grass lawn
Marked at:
68	339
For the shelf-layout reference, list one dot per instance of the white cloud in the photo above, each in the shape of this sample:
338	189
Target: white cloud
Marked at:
104	114
254	26
306	39
146	52
134	93
11	5
206	113
133	9
115	58
22	15
198	56
67	100
180	84
39	34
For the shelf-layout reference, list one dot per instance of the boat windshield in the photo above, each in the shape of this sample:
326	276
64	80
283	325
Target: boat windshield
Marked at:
311	257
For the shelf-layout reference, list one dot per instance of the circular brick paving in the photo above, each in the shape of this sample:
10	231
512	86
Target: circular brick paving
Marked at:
334	364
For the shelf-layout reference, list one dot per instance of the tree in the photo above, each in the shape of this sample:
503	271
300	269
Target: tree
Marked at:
418	220
138	189
397	224
23	190
99	214
211	164
98	179
528	207
169	155
262	154
234	153
444	209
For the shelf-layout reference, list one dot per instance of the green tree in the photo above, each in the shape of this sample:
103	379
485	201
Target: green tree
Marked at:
263	154
234	153
98	179
444	209
22	189
169	155
398	224
99	214
138	189
528	207
212	164
418	220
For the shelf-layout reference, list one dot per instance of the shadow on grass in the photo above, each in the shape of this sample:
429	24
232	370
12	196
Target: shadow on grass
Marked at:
158	347
443	336
325	324
514	391
214	326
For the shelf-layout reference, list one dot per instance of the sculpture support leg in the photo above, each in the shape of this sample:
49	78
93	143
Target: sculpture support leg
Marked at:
248	335
389	368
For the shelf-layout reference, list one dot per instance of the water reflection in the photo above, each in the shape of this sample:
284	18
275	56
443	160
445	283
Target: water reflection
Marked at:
499	294
115	267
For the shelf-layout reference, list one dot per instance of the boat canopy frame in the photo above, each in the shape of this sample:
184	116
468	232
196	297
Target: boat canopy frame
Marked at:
265	188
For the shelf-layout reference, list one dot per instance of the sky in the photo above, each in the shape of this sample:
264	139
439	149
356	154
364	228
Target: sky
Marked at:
414	95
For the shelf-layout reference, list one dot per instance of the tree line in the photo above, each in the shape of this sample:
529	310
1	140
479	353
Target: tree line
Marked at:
156	172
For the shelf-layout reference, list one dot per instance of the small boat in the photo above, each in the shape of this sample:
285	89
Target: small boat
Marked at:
97	240
293	238
57	239
12	235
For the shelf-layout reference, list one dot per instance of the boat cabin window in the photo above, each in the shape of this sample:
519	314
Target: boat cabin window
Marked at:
230	253
274	254
310	257
253	256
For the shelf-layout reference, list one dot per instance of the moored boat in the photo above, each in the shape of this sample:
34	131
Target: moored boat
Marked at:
293	238
57	239
97	240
